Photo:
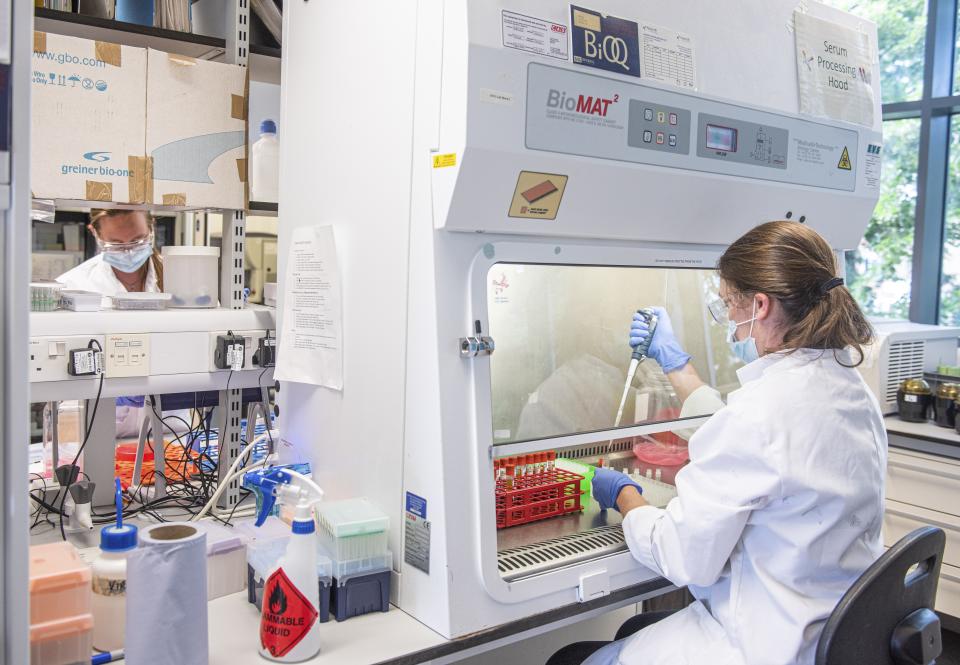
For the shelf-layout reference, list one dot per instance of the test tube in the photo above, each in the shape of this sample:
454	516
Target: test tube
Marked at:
551	460
650	474
508	478
659	474
541	463
530	461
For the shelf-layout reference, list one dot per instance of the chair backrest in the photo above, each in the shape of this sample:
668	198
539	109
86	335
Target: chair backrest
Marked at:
887	618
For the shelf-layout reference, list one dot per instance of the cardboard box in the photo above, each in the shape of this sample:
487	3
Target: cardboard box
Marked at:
88	109
196	131
121	124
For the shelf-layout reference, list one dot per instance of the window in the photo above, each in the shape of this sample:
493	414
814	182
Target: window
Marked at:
878	273
902	26
950	270
908	265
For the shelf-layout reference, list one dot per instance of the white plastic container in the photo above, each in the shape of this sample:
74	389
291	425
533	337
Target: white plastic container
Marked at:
109	601
61	642
80	301
226	560
191	275
265	165
352	529
141	300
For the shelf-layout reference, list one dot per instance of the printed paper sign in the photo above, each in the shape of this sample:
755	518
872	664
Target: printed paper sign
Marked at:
834	70
605	42
311	339
668	57
535	35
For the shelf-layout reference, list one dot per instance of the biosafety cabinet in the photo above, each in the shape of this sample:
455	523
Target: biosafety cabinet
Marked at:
507	183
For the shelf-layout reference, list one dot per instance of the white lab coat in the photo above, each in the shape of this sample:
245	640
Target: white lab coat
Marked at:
778	512
97	275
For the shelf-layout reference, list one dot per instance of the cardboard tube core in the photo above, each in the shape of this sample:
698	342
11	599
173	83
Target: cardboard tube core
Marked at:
172	532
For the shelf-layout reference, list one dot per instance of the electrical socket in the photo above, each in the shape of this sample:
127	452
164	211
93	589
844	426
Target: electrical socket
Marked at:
251	342
49	357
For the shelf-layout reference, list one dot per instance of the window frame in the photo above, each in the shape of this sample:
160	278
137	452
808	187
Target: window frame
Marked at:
935	108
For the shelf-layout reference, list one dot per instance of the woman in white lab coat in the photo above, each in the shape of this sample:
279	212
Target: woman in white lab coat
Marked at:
127	261
780	509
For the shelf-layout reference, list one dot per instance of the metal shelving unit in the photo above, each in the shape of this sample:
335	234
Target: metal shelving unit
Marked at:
264	60
264	65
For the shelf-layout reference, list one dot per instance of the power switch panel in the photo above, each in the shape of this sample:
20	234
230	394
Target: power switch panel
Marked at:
50	357
128	355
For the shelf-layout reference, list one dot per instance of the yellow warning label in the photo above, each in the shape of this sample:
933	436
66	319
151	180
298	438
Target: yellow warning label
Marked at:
443	161
845	160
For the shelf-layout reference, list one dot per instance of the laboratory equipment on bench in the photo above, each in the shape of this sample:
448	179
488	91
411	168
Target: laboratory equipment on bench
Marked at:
945	405
903	350
109	573
191	275
638	356
140	300
521	208
914	399
289	627
355	534
61	624
532	488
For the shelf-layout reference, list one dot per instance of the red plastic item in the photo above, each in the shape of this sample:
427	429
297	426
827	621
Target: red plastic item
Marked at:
537	497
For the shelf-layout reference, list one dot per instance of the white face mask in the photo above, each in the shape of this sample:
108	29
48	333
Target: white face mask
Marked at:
745	349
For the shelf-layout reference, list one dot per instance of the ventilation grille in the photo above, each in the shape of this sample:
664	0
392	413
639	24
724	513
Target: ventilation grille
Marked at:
598	449
904	361
529	560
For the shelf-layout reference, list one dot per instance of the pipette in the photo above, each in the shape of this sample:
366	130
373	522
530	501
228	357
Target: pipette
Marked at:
638	356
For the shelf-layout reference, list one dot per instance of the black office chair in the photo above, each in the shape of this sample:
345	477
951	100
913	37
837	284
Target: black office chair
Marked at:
887	617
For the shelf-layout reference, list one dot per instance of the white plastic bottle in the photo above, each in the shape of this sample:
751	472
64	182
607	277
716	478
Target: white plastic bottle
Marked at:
289	627
109	600
265	165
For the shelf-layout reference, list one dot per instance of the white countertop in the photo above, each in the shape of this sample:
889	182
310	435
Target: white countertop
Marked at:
927	430
234	626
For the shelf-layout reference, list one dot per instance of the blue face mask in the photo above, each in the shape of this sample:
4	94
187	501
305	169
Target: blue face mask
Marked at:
744	349
130	261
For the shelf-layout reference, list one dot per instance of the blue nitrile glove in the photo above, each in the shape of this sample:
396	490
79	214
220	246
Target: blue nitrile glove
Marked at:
665	349
607	485
136	401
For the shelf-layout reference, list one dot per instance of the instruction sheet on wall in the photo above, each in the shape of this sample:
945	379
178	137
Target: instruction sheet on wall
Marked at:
311	335
834	70
668	56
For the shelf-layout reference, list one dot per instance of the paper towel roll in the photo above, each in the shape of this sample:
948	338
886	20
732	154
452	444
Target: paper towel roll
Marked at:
167	597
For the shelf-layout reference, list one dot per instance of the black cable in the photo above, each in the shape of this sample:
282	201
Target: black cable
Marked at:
86	436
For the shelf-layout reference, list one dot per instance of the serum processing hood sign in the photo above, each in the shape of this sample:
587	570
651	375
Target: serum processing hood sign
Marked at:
605	42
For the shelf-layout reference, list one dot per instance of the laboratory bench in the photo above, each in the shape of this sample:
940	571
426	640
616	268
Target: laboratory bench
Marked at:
923	488
395	637
392	637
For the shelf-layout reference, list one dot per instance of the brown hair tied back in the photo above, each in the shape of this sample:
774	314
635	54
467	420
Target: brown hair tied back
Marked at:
98	214
793	264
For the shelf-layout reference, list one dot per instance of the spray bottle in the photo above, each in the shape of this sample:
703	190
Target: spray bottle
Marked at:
289	631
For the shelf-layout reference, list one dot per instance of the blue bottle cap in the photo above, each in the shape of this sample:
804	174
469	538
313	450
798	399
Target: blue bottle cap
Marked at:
118	538
303	526
268	127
